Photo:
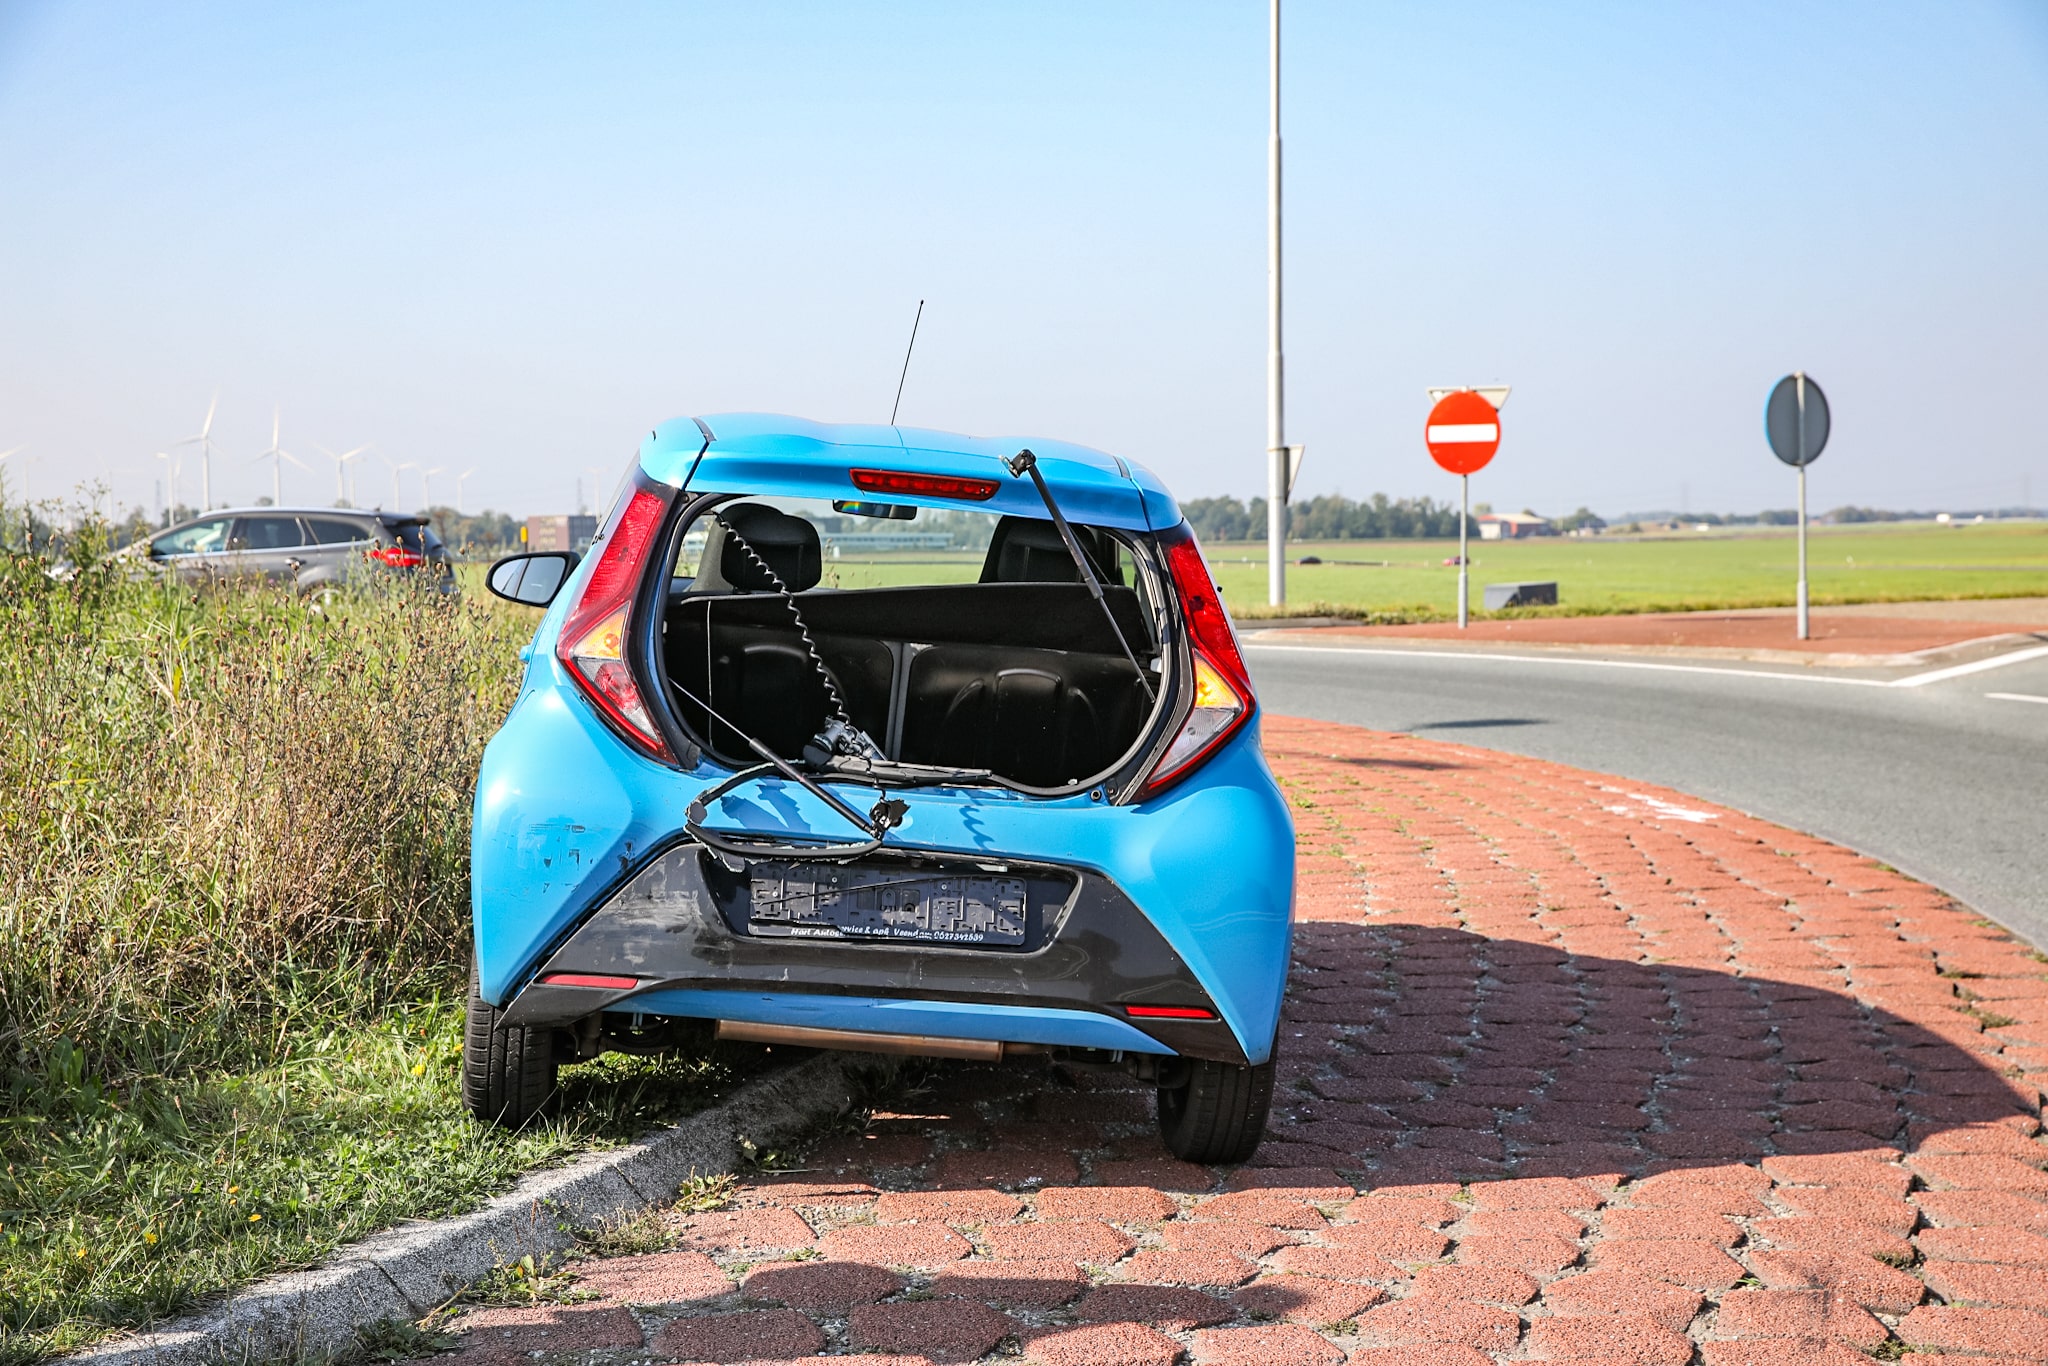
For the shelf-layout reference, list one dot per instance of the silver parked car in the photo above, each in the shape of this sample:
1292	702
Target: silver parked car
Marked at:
316	550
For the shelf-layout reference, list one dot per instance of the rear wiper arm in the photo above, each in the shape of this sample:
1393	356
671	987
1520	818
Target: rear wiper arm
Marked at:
1024	462
885	815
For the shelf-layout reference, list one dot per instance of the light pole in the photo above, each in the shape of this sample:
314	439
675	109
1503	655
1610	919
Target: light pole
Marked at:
1276	426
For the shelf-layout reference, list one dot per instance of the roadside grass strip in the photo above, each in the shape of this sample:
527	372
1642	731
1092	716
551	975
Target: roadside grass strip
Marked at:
131	1206
234	931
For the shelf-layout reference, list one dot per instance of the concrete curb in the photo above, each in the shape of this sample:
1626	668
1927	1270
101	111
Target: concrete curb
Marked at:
410	1270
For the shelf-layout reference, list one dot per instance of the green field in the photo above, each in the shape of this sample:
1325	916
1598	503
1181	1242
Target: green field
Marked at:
1673	572
1410	580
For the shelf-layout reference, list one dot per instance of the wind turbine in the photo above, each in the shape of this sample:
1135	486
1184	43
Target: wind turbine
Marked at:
397	472
277	455
171	471
341	497
24	472
458	488
204	441
427	485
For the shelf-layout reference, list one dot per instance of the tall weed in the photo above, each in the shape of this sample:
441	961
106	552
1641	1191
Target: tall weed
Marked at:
234	931
223	812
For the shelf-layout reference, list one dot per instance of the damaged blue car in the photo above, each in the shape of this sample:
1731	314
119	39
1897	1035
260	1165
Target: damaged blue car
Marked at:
891	740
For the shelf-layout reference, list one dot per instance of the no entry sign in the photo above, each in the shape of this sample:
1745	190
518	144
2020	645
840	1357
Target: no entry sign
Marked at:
1463	432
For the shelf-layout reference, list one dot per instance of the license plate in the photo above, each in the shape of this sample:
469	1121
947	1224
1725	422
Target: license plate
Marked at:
823	901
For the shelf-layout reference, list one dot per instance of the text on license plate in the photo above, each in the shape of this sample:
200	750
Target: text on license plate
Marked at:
828	902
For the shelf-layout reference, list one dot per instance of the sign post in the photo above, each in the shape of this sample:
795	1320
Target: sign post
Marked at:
1796	422
1462	434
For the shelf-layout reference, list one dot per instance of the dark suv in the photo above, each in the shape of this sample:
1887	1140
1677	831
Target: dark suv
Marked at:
316	550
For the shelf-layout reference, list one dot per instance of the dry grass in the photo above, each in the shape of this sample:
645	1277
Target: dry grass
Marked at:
234	935
224	809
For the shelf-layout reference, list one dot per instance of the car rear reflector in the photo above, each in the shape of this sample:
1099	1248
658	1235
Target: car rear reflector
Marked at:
1169	1013
1223	699
594	639
397	556
593	980
924	485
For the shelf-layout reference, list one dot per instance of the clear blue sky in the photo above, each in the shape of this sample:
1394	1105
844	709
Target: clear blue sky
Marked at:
515	237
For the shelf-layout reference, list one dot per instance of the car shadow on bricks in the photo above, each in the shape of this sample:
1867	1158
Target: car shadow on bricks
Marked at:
1480	1145
1415	1055
1411	765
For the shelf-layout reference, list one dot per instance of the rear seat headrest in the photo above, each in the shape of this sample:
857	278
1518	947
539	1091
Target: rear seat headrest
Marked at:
1029	550
789	545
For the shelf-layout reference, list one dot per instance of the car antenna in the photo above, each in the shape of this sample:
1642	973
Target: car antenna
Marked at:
906	362
1024	462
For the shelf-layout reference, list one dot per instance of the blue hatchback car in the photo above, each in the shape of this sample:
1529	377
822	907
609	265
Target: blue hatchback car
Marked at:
891	740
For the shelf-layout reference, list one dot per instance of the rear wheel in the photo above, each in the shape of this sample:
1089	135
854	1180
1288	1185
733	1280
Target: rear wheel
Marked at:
1220	1114
508	1073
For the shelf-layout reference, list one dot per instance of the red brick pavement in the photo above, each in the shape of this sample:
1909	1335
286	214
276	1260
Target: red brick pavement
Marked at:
1574	1070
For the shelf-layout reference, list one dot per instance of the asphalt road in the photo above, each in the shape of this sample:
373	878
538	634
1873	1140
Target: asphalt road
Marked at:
1942	778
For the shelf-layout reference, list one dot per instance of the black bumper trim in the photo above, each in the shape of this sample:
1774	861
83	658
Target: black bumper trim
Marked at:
672	925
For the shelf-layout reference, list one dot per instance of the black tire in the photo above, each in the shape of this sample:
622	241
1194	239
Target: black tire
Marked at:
1220	1115
508	1074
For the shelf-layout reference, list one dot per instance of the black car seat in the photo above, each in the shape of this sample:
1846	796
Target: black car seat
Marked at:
1029	550
763	677
788	544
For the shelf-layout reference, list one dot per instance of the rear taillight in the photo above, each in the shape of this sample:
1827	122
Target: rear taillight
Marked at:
1169	1013
593	640
594	981
1223	699
397	556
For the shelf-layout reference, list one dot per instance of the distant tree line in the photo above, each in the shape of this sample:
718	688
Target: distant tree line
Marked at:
1329	517
479	533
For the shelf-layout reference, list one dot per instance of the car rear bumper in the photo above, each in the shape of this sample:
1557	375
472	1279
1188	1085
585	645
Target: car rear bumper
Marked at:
566	816
1089	969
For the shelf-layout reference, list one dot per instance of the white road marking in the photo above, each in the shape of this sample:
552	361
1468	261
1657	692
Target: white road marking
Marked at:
1463	431
1910	681
1963	670
1569	659
1659	807
2017	697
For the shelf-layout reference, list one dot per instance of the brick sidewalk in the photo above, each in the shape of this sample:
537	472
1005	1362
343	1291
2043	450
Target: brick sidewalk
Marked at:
1574	1070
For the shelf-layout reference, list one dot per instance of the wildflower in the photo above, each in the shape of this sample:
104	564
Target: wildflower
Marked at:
255	1218
149	1237
419	1070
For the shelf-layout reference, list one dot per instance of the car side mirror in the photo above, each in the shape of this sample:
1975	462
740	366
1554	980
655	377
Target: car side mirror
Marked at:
532	580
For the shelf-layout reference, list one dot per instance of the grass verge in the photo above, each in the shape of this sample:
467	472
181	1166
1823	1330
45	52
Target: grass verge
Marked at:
234	934
129	1212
